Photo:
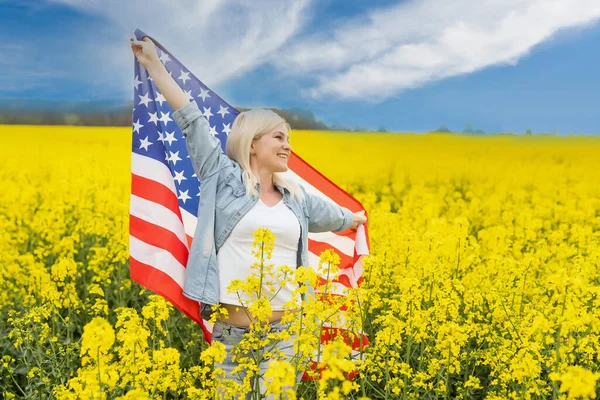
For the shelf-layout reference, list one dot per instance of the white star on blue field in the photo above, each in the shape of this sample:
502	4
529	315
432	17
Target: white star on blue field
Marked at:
406	66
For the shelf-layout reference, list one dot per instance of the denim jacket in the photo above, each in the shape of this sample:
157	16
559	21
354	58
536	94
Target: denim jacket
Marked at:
223	202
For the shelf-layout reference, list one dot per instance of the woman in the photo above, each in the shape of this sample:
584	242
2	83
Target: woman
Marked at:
241	192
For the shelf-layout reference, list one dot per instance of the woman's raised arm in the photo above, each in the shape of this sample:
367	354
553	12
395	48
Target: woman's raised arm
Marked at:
146	53
204	149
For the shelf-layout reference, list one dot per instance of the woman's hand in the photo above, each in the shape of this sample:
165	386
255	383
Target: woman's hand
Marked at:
358	219
145	51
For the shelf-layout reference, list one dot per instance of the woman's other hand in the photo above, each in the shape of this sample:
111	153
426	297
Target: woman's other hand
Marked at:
145	51
358	219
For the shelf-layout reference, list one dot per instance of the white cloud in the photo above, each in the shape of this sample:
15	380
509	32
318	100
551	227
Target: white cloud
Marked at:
216	39
373	56
407	45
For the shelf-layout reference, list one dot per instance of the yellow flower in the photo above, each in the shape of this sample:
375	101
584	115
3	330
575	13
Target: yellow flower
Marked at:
135	394
158	310
215	353
261	309
219	313
64	268
94	288
279	378
97	339
336	366
579	382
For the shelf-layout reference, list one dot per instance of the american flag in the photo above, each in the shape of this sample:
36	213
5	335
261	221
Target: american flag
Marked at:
165	192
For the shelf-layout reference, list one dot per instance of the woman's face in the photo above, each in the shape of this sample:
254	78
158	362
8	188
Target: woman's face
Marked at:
272	150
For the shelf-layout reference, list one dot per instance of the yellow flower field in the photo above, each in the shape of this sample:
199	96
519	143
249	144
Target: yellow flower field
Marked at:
483	280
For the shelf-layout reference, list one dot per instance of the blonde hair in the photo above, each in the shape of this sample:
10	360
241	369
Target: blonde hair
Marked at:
248	126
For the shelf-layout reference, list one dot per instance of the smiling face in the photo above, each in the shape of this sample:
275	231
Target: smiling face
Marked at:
272	150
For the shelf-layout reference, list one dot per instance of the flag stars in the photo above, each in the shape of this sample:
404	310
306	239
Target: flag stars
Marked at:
185	76
189	94
144	143
165	117
179	177
207	113
160	98
137	126
145	99
223	111
183	195
213	131
170	138
203	94
136	82
227	128
161	138
173	157
164	57
153	118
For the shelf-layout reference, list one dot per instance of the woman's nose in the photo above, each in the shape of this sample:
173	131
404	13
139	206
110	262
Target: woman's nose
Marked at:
287	146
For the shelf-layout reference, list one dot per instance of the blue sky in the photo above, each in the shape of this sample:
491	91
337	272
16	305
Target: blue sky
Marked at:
501	66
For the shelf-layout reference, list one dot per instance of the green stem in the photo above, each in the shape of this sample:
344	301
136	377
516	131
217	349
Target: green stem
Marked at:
13	379
134	363
99	370
510	320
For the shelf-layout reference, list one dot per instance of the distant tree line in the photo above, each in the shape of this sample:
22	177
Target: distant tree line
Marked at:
50	114
39	112
58	118
470	130
467	129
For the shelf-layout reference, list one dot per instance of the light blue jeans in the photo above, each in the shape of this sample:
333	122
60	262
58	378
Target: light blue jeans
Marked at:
231	335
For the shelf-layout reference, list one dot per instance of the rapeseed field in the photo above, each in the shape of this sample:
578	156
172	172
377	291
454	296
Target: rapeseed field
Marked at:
483	280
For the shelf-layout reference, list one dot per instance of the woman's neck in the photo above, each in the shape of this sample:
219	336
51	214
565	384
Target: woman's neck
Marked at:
265	180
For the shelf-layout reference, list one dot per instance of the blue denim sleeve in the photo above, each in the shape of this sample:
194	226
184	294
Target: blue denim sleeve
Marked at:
325	216
203	148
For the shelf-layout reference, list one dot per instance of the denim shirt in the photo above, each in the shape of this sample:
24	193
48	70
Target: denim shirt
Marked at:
223	202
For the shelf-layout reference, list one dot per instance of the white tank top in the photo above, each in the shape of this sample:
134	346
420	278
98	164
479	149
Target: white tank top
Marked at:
235	255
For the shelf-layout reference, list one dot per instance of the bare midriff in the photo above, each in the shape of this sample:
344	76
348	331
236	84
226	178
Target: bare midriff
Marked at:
239	316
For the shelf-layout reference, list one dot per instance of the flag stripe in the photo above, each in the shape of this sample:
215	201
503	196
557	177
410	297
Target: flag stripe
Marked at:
160	239
334	287
162	284
342	244
321	183
341	282
158	257
155	192
158	215
189	222
319	247
150	168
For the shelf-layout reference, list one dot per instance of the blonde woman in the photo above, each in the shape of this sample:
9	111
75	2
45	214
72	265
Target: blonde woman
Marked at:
242	191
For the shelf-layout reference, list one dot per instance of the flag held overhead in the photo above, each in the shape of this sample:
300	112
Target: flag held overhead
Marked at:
165	191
